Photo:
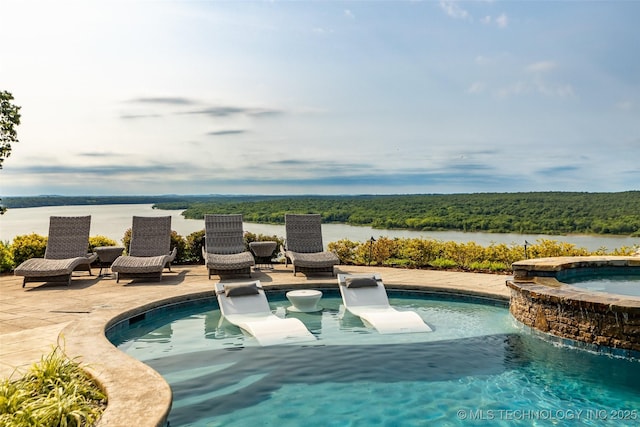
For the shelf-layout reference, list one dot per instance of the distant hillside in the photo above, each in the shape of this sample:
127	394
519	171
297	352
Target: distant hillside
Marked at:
38	201
529	213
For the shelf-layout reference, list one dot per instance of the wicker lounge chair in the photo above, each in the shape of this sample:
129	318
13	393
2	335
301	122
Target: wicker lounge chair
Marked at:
224	251
149	251
304	245
67	251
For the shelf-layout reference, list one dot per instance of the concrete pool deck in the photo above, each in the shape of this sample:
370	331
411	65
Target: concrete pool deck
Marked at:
34	319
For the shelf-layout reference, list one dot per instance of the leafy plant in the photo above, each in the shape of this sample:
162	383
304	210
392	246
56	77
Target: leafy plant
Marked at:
28	246
6	257
193	247
443	263
54	392
97	241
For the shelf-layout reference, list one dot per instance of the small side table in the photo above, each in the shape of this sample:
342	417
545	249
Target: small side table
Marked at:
262	252
106	256
304	300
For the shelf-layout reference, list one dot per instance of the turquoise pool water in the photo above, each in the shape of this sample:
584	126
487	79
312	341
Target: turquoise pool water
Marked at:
476	368
625	284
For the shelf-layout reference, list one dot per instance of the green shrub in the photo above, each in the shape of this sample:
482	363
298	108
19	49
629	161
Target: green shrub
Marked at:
54	392
97	241
28	246
179	243
193	247
443	263
489	266
6	258
126	240
345	249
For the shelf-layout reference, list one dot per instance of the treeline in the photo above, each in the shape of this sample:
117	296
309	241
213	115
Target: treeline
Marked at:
529	213
39	201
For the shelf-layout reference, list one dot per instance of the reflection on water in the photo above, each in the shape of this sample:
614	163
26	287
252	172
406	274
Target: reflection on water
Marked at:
475	360
113	220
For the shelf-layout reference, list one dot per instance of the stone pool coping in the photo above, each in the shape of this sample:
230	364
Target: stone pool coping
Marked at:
34	319
597	321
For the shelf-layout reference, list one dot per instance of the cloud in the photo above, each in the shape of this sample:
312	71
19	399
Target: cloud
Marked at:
163	101
477	87
226	132
625	105
502	21
541	67
226	111
139	116
453	9
349	14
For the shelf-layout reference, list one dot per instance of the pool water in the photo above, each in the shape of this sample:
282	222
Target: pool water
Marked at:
612	284
476	368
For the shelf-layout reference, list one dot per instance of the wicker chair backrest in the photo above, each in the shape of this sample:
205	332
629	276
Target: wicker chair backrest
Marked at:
304	233
68	237
150	236
224	234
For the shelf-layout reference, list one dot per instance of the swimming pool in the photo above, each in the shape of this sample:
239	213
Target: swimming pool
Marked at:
617	284
477	365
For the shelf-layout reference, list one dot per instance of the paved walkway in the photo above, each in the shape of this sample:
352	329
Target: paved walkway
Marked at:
34	319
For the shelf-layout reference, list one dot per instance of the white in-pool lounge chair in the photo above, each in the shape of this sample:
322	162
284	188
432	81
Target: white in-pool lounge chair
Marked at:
66	252
245	305
365	296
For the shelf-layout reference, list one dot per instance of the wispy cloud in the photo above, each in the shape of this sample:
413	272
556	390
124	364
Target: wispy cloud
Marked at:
225	111
541	67
226	132
454	10
163	101
501	21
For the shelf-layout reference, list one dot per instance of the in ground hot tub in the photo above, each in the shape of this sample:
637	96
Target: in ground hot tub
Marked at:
592	319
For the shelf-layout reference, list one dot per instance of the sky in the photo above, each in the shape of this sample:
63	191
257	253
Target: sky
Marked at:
321	97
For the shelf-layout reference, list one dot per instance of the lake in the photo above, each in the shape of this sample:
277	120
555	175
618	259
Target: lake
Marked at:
113	220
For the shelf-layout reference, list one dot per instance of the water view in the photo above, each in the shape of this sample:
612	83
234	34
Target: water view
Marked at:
113	220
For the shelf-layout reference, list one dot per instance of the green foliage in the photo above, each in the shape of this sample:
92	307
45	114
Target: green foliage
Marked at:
126	240
180	244
534	213
9	120
423	253
443	263
6	257
193	247
55	392
97	241
28	246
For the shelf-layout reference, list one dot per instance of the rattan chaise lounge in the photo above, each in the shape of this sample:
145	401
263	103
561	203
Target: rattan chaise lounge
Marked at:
304	245
67	251
224	250
149	250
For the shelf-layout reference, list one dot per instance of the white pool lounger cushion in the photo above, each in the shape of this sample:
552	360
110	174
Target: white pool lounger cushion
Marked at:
245	305
365	296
